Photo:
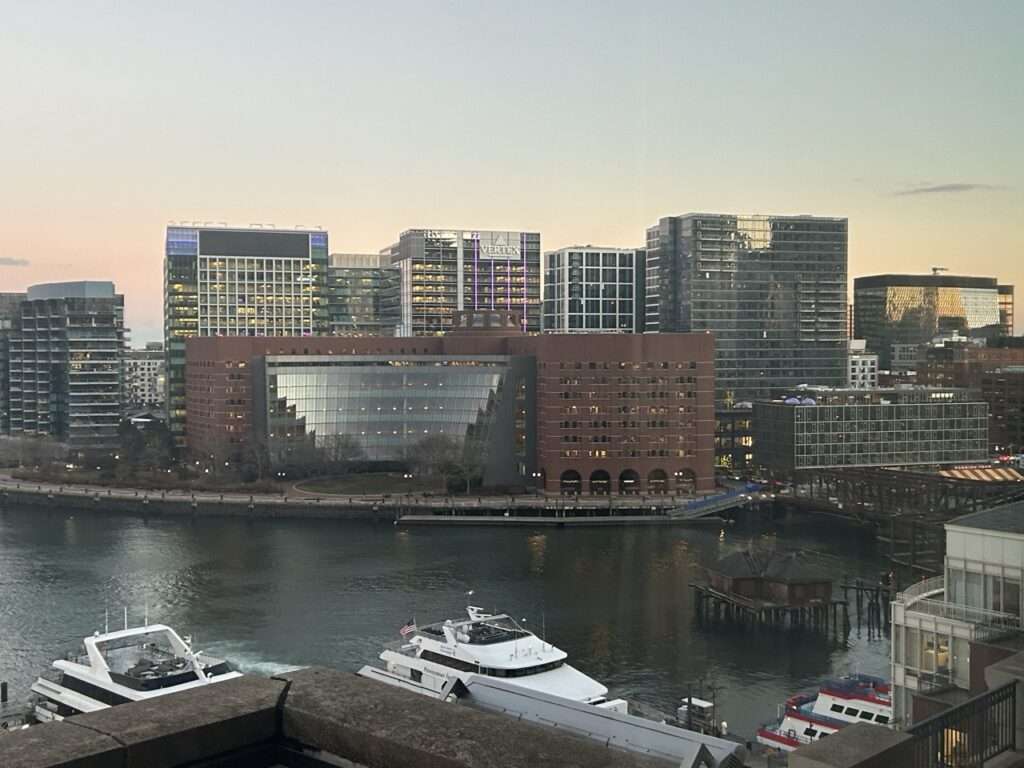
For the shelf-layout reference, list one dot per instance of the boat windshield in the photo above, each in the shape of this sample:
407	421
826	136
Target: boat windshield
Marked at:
143	653
498	630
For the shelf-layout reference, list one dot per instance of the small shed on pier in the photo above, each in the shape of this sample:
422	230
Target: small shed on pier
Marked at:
789	579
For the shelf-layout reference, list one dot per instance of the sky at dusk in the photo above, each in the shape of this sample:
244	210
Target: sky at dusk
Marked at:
586	121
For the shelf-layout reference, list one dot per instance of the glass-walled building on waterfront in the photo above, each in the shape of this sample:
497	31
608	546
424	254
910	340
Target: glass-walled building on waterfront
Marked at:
220	281
936	622
389	407
445	271
602	414
910	310
593	290
817	428
772	289
65	364
363	295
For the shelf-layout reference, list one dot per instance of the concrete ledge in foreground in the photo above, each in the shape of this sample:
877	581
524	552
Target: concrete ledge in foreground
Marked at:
383	727
856	746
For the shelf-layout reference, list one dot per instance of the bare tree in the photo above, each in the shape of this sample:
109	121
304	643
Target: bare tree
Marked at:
341	450
437	456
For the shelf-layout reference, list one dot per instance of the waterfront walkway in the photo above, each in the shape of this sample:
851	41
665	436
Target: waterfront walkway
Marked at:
526	509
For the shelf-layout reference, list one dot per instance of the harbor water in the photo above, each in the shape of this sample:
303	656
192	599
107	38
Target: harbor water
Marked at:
276	594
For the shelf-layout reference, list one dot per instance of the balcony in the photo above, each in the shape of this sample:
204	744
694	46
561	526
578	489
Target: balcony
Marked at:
925	597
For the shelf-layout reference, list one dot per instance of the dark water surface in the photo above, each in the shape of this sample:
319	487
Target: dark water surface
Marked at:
274	594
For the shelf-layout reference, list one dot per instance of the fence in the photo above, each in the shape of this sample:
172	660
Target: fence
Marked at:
968	734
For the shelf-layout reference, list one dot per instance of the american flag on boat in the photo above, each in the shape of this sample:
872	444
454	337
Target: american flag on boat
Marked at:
408	628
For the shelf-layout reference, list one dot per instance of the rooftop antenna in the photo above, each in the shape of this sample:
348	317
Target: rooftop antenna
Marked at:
126	617
106	620
147	613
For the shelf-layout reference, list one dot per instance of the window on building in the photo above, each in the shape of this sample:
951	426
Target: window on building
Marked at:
912	656
1011	596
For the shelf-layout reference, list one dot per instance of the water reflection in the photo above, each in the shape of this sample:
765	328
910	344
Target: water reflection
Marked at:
271	594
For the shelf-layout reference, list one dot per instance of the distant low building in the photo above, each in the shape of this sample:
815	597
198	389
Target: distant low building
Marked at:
1003	390
145	381
861	366
821	428
963	363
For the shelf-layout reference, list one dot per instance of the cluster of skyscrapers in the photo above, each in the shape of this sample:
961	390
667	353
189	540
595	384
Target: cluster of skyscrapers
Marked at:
770	291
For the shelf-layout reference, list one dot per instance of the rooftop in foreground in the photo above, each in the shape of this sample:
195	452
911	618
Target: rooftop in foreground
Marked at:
1008	518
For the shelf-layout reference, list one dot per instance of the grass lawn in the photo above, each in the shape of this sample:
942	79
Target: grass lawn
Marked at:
371	482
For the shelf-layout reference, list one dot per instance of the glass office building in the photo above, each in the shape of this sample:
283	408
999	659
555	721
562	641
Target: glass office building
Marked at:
363	295
592	290
448	271
389	404
892	310
772	289
65	365
816	428
239	282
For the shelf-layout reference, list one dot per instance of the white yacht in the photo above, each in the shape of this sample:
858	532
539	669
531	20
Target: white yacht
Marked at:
429	659
123	666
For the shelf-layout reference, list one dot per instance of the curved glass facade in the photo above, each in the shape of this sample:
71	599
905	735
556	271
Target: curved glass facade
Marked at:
387	405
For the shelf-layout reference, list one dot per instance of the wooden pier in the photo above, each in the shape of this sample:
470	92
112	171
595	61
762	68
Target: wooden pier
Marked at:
717	607
870	604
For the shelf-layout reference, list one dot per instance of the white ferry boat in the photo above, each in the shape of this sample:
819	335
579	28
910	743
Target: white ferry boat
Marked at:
430	658
123	666
809	717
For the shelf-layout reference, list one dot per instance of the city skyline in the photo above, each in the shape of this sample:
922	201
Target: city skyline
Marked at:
907	129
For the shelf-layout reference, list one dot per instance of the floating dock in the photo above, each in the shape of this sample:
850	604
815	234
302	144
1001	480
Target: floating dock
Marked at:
553	521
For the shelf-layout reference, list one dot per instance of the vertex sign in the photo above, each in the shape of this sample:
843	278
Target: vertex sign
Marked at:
495	245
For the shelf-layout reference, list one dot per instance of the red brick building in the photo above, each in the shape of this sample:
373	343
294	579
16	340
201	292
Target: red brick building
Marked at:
1003	390
963	364
615	413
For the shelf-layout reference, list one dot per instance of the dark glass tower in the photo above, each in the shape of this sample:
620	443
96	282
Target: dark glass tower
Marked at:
772	289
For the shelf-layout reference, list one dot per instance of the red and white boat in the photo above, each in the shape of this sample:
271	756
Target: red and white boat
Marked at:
812	716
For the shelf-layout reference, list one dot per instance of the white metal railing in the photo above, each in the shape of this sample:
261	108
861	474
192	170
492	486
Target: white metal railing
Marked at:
922	588
921	598
965	613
